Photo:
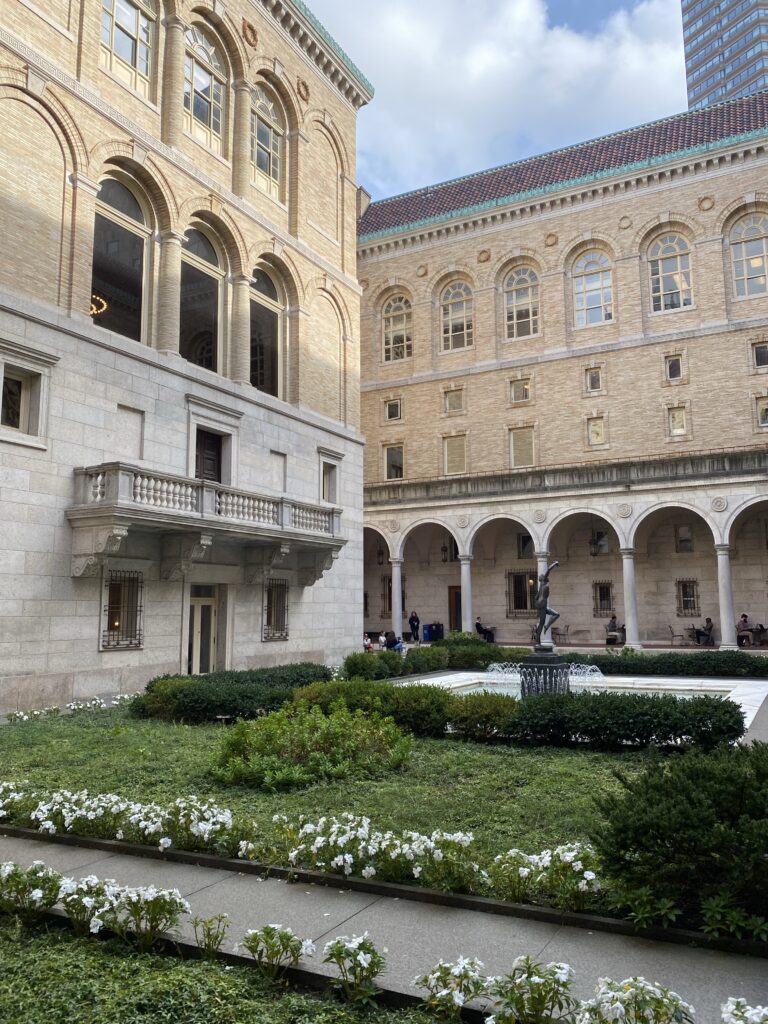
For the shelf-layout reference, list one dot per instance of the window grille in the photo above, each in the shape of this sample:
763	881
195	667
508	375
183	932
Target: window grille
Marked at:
123	609
521	592
687	598
602	598
275	610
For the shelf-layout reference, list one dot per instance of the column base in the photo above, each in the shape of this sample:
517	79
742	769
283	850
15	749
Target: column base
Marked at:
634	647
730	647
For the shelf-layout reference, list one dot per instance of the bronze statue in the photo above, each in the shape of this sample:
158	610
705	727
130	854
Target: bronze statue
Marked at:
541	604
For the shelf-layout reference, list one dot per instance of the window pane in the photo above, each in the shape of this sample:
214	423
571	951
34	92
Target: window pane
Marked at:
199	316
10	412
265	330
394	463
118	274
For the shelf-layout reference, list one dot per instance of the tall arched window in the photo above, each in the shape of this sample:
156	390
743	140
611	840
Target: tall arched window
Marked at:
592	289
456	316
127	40
669	263
267	327
396	324
205	79
120	237
267	143
749	247
201	277
521	298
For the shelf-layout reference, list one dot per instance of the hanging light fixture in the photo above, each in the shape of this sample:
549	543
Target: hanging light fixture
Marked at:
444	551
595	540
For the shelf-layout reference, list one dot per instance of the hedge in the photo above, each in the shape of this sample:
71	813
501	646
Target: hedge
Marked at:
246	694
612	721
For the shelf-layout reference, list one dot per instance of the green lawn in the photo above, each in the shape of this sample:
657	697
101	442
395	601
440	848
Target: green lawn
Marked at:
507	796
53	978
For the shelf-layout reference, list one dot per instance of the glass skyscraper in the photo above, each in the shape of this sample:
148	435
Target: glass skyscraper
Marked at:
726	49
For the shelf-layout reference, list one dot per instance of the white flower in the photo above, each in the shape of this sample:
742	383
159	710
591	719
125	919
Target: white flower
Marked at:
364	959
308	948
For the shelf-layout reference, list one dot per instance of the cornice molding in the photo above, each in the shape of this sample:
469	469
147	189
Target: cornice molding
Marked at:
322	49
662	170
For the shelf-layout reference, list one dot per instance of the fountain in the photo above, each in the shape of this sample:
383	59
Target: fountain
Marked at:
533	680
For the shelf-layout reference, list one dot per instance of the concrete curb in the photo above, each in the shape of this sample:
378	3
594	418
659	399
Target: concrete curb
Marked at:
548	915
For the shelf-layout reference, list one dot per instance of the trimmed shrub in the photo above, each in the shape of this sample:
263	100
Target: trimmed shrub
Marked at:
246	694
393	663
421	709
470	652
483	717
299	746
615	720
692	827
425	659
377	665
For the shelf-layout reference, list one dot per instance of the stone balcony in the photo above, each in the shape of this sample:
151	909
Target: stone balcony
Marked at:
189	516
625	475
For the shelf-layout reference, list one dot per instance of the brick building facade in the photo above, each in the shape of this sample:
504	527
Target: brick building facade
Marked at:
180	453
565	358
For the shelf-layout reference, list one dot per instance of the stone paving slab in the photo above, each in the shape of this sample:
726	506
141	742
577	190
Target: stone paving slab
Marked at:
416	935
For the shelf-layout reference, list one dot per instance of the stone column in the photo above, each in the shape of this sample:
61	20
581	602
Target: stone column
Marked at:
467	615
241	139
169	292
542	564
240	335
725	598
172	88
631	623
397	596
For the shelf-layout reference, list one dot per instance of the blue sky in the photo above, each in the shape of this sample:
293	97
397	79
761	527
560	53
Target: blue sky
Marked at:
462	85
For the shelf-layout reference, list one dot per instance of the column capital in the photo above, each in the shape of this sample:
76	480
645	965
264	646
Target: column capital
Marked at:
175	22
627	552
241	279
80	181
172	236
396	561
465	558
723	549
541	554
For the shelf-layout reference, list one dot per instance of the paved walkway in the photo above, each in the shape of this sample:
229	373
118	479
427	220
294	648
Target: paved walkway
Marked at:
417	935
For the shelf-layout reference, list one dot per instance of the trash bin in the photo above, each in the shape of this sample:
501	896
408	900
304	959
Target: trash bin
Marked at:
436	631
426	633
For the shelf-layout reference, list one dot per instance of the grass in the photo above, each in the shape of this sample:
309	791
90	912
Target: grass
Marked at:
507	796
49	976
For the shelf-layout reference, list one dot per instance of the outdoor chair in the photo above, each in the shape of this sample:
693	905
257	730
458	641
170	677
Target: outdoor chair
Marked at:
560	634
675	636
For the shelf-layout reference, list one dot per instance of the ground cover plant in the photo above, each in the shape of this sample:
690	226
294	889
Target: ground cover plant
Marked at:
104	982
525	798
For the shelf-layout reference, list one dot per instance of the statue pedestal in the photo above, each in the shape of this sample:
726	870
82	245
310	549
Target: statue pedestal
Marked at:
543	672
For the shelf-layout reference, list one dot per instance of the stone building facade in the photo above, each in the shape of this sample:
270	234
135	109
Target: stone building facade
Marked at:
180	452
565	359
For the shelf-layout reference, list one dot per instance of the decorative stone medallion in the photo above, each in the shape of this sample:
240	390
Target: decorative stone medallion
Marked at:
303	90
550	240
421	271
250	35
463	522
719	504
484	256
394	525
706	202
624	223
539	515
624	510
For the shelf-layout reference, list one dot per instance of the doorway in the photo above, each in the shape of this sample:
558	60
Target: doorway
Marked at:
454	608
201	654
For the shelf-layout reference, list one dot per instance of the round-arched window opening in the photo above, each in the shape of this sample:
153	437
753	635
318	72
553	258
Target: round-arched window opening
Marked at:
199	316
120	237
267	332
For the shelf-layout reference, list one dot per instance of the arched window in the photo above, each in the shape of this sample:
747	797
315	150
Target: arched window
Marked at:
120	237
127	40
201	277
267	328
267	143
396	323
669	262
592	289
521	298
456	316
205	79
749	245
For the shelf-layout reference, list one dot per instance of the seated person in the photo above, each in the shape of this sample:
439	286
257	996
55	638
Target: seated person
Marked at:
394	643
614	633
744	631
484	631
704	632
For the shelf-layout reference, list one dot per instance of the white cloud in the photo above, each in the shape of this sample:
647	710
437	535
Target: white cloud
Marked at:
462	85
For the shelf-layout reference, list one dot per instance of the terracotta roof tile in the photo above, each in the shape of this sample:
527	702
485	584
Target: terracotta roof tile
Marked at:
671	135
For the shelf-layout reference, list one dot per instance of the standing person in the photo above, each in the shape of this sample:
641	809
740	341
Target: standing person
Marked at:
414	622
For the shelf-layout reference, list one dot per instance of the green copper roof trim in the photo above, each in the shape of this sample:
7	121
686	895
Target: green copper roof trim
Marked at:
705	147
345	59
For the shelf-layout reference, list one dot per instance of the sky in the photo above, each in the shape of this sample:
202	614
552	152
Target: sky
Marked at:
463	85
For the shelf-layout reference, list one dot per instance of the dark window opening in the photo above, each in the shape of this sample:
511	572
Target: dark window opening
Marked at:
123	610
198	316
117	278
265	327
276	610
521	592
208	456
10	408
